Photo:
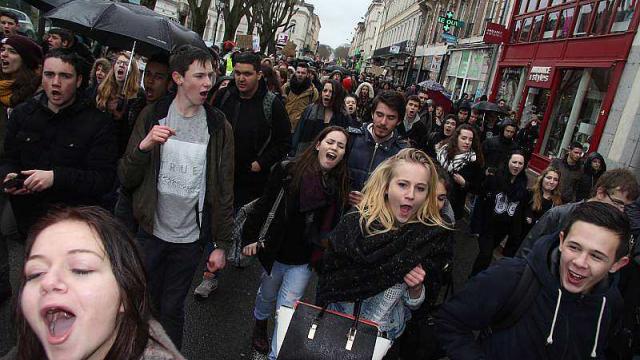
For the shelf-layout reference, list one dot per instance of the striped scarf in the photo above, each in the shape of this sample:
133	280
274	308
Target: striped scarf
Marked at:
458	162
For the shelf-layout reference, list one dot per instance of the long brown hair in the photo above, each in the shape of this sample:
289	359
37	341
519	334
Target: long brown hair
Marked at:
538	191
126	265
452	144
109	88
25	84
308	162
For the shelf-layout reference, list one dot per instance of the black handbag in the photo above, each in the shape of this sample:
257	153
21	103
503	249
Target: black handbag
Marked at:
317	333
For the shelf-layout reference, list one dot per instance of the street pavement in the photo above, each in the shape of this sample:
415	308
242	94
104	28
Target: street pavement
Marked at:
220	327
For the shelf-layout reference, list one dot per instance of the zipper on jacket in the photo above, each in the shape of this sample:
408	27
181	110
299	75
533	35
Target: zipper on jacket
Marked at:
375	149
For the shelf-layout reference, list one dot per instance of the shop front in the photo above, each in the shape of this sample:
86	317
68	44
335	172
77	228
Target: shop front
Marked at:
563	65
468	72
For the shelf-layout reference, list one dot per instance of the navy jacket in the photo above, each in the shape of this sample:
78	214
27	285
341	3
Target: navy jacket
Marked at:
573	335
365	154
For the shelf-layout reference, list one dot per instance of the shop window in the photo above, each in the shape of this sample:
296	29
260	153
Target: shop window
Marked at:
510	85
537	27
526	30
532	5
516	32
601	20
550	26
623	17
582	21
523	6
556	2
543	4
564	24
576	110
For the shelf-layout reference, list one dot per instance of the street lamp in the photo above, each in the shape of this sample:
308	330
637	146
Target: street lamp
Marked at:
219	4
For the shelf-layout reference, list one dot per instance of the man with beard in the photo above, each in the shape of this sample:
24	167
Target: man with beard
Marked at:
374	142
299	93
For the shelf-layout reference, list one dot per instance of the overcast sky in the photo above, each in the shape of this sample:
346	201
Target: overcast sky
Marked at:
338	18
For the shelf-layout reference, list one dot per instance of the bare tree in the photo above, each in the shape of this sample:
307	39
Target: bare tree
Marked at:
324	51
199	14
341	52
233	15
269	16
151	4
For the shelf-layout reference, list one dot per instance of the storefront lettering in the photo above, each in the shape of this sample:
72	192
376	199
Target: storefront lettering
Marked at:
540	74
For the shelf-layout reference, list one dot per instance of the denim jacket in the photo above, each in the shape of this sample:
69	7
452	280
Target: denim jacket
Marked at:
390	309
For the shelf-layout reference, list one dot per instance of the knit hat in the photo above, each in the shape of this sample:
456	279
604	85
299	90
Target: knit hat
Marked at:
29	51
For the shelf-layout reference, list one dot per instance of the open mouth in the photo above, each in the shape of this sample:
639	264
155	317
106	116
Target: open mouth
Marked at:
59	322
331	156
5	63
405	210
120	72
574	278
56	93
204	93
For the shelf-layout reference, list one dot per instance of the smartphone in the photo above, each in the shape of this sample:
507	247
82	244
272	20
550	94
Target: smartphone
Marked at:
17	182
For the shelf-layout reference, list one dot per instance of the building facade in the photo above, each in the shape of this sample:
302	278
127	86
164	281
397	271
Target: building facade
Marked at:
372	21
304	28
574	63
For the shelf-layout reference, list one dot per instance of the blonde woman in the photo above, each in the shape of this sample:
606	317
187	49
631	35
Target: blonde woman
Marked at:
110	96
381	254
544	195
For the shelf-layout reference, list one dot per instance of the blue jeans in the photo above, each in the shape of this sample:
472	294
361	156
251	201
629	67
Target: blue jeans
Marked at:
284	286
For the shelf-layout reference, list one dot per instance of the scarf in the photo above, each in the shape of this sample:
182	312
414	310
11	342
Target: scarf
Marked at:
356	267
459	161
5	92
299	87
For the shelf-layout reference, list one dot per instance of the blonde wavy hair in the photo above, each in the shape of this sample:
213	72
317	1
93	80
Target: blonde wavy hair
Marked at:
109	88
376	215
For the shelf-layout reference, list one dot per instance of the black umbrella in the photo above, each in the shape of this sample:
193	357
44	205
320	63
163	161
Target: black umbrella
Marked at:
487	106
343	70
46	5
123	25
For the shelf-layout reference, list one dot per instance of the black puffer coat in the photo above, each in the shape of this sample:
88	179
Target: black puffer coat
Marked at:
589	177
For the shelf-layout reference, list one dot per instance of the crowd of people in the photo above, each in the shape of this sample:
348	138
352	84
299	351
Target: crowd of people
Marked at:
121	174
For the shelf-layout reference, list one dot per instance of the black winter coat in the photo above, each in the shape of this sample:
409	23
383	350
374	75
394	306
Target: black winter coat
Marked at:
570	320
78	143
365	154
311	124
290	238
589	177
416	137
496	151
251	131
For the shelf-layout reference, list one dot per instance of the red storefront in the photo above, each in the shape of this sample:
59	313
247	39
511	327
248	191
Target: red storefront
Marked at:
563	62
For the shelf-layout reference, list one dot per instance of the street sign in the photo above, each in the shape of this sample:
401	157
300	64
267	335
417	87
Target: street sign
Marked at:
395	49
494	34
449	39
448	21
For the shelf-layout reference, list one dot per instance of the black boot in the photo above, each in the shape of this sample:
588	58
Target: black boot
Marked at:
260	339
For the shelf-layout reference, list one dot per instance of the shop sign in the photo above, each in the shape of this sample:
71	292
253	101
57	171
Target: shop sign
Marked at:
540	76
395	49
448	21
494	34
449	39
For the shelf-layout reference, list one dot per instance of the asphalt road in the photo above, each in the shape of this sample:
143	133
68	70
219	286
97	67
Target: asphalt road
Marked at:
220	326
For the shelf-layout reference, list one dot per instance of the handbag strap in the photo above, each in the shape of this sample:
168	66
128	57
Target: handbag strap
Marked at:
351	335
270	216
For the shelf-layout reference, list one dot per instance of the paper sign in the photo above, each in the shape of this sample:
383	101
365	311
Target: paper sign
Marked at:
245	41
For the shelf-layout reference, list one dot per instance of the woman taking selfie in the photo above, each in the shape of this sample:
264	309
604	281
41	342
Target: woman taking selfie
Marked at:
83	293
461	156
315	187
381	254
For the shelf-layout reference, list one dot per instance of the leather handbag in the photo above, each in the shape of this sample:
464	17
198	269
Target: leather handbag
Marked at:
310	332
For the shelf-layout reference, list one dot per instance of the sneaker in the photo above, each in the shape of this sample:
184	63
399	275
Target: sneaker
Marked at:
208	285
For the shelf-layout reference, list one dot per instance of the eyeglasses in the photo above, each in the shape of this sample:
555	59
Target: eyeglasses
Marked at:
122	62
616	202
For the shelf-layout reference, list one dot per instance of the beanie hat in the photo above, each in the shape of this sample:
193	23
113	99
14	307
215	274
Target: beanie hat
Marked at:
29	51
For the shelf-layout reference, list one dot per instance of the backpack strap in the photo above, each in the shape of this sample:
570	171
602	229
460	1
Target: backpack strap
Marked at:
267	107
519	302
